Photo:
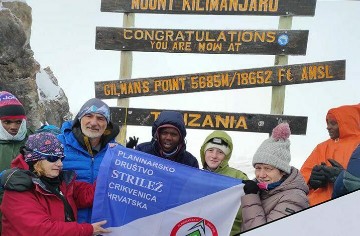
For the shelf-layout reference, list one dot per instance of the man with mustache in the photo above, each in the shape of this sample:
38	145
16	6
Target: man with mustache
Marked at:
324	164
85	140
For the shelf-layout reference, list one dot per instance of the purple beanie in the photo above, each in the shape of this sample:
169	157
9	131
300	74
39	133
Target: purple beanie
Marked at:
42	142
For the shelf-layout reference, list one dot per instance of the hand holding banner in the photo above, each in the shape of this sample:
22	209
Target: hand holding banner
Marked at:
141	194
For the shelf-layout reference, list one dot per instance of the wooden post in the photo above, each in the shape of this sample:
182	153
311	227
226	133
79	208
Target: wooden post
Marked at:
126	59
278	93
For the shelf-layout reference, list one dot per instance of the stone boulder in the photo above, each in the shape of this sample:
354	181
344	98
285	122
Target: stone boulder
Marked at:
19	70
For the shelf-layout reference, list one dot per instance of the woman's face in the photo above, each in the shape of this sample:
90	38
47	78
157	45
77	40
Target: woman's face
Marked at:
213	158
51	169
267	173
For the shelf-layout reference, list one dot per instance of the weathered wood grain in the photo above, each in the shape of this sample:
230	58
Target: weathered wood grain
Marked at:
243	122
223	80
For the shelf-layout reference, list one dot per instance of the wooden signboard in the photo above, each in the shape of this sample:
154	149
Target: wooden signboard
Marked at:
265	42
213	7
223	80
212	120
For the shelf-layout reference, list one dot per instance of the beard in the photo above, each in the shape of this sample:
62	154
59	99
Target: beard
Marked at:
92	133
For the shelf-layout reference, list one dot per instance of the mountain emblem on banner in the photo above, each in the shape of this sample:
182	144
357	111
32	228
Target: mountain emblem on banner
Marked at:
197	229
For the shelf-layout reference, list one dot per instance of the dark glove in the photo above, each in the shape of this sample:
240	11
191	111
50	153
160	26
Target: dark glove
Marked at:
318	177
250	187
132	142
17	180
332	172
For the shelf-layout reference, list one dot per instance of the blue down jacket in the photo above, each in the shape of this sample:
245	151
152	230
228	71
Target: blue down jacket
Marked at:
78	159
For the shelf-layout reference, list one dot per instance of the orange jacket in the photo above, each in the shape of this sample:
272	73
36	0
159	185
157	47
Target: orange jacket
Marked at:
348	118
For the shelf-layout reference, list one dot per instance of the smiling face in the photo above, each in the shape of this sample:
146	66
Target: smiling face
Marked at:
267	173
93	125
333	128
12	126
169	139
213	158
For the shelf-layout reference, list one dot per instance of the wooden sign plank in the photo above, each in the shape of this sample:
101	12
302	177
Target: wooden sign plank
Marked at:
223	80
265	42
212	120
212	7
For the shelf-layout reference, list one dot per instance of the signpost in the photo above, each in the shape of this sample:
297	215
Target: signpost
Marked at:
265	42
207	7
278	93
125	74
281	42
223	80
212	120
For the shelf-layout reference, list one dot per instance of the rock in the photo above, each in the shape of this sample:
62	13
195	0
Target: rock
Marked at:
22	75
52	97
23	12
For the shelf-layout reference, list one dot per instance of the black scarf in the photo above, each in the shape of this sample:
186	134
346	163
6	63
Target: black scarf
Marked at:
52	184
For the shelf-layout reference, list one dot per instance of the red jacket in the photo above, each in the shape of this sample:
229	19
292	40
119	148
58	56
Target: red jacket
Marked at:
348	118
39	212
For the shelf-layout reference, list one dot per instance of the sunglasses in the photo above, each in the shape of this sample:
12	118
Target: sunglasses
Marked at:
49	157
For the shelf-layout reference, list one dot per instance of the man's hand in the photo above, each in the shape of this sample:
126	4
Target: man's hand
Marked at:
332	172
132	142
318	178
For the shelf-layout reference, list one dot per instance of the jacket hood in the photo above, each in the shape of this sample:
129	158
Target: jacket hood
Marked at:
19	162
170	118
348	119
225	137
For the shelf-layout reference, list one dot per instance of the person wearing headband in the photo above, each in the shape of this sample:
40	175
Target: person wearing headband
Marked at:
215	153
45	199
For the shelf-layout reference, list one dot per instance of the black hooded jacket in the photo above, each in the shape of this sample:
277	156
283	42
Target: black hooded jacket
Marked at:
153	147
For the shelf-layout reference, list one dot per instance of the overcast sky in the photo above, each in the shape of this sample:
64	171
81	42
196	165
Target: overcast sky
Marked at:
63	37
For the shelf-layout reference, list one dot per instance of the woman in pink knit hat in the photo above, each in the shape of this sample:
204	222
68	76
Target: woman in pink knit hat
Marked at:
278	189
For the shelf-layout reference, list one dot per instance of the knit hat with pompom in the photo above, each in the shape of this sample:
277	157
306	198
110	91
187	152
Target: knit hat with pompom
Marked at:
275	150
